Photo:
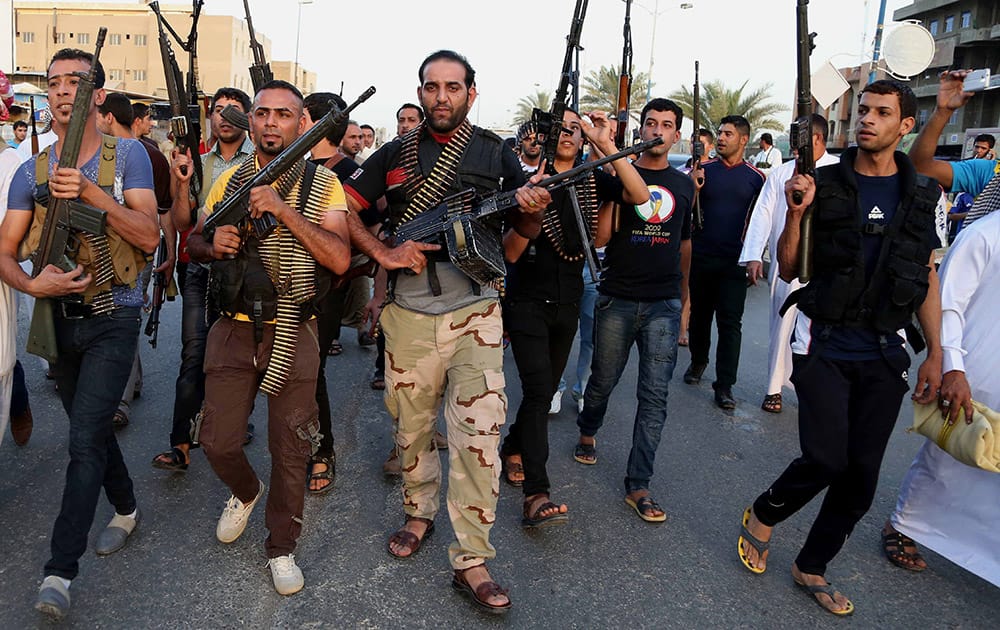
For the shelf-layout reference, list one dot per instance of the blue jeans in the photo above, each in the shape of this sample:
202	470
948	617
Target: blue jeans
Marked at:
586	335
653	327
95	359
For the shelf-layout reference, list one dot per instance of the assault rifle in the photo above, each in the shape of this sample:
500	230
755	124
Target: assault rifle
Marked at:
697	150
64	216
186	134
260	71
462	206
549	127
801	134
34	127
625	79
234	209
159	292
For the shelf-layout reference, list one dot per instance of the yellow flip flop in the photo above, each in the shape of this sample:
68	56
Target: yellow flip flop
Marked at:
759	545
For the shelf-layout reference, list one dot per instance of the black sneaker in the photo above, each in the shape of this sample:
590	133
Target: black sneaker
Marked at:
724	397
693	374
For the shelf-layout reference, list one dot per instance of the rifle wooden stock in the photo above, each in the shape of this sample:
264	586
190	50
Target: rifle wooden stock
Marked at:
697	150
34	127
801	134
625	80
234	209
55	242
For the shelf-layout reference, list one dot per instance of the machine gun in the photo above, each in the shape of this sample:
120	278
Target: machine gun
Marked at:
801	134
458	216
697	150
64	217
260	71
549	127
159	292
186	133
625	79
234	209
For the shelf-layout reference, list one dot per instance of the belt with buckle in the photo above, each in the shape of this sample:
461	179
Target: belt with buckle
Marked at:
67	309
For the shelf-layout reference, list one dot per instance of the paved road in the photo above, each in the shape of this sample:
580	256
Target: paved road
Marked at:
605	569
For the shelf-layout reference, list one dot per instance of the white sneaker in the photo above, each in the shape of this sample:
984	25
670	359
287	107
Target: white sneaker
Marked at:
287	577
579	405
235	516
556	404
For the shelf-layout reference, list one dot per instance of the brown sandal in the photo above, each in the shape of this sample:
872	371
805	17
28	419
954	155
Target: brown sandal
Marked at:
511	467
408	539
772	403
481	594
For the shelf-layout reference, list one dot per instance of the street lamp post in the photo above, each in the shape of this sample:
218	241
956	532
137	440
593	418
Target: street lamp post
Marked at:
298	29
655	14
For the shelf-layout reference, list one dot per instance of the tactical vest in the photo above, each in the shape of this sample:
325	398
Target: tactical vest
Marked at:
126	260
838	292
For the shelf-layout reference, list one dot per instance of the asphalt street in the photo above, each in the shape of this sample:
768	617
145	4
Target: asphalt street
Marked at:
605	569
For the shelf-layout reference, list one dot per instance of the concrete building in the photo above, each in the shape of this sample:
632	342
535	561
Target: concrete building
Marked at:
131	54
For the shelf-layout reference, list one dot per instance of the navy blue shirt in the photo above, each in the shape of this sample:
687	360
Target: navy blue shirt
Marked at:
878	198
726	200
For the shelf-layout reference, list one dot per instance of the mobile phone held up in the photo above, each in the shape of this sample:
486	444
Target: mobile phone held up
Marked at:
977	81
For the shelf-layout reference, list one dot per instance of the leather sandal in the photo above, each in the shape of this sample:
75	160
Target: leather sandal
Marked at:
533	519
772	403
408	539
172	460
481	594
511	467
323	475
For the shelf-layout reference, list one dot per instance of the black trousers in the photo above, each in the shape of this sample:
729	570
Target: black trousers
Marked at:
331	311
541	337
719	290
847	410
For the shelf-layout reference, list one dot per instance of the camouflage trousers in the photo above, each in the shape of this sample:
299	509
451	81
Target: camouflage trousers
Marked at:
456	357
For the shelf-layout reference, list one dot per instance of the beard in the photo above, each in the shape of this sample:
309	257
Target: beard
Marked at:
451	123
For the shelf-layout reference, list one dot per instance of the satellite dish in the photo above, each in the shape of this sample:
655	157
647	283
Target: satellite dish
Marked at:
908	50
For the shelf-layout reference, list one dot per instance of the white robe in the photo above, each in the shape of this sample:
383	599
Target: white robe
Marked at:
9	161
766	224
945	505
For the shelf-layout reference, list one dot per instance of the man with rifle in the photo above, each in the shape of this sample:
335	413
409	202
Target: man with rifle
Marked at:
96	326
231	149
443	329
872	269
267	287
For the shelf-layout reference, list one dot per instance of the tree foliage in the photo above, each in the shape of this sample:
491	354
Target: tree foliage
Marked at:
717	101
600	91
540	99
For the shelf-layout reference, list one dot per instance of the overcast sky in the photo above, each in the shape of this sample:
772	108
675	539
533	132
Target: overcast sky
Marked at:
516	45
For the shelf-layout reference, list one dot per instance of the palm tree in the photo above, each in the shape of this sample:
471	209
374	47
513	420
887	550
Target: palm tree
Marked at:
600	91
540	99
717	101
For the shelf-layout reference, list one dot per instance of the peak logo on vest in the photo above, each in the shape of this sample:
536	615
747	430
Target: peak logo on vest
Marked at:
660	206
876	214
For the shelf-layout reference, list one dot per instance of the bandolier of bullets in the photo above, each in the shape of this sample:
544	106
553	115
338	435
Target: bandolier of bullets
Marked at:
423	193
552	225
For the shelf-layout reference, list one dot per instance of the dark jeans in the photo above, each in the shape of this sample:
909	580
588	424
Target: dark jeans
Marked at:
847	410
541	337
234	365
331	311
653	328
719	289
100	350
195	322
380	354
19	392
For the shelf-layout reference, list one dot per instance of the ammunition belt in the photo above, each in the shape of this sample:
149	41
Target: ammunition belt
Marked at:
552	224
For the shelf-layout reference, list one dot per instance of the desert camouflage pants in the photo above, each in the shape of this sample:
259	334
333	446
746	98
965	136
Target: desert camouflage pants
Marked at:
456	357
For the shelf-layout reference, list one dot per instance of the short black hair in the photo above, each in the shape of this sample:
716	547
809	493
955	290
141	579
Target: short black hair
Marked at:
368	127
821	126
278	84
907	99
987	138
233	94
139	110
663	105
20	123
742	124
449	55
75	54
119	106
702	132
768	138
318	104
420	111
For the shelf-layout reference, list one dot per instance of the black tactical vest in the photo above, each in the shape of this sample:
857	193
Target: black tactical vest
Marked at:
838	293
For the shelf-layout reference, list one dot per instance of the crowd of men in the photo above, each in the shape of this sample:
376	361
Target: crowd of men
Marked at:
264	300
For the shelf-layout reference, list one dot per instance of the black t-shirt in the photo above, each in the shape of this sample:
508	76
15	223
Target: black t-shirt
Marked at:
541	274
161	175
642	260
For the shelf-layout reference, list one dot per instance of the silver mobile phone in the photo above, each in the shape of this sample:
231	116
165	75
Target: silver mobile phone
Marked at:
977	80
